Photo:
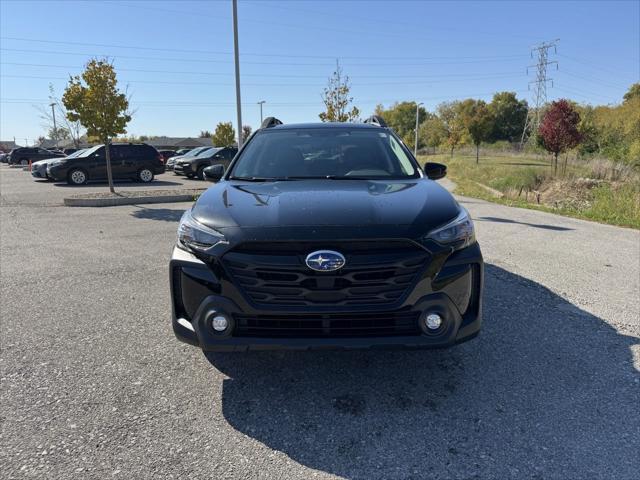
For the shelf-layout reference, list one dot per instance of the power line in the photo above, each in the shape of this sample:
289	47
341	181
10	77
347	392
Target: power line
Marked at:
285	85
540	88
322	76
281	55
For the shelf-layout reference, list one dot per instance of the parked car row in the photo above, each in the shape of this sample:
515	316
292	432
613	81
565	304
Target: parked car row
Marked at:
193	163
139	162
24	155
134	161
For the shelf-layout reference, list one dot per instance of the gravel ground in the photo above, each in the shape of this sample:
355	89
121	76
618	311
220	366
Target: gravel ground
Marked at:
94	385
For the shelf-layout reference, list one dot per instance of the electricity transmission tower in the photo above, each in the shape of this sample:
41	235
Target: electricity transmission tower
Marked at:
534	115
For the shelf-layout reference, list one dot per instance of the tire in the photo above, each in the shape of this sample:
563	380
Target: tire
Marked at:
200	172
77	176
145	175
24	162
190	175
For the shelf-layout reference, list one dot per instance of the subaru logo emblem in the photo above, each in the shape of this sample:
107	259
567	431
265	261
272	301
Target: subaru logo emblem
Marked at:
325	261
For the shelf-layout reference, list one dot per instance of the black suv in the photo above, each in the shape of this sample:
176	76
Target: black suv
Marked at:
193	166
24	155
135	161
325	236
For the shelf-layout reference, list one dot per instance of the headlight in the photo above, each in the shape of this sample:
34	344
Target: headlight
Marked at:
458	233
195	236
55	163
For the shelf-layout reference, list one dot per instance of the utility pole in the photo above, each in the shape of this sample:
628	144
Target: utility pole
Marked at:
415	148
237	61
55	130
261	102
540	88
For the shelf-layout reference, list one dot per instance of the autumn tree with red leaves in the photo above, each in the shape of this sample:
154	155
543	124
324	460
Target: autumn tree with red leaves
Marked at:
558	130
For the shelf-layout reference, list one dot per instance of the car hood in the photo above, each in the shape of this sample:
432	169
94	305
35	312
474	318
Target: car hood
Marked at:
46	161
421	204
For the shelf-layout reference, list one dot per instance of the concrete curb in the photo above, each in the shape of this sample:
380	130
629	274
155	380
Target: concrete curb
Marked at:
112	202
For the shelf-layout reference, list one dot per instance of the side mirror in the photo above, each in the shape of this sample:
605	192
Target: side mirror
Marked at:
213	173
435	170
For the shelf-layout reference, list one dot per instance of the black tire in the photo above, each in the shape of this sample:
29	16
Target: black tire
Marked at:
200	172
145	175
24	162
190	175
77	176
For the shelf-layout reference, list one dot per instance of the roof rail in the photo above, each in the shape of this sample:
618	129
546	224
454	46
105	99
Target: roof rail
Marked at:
270	122
376	120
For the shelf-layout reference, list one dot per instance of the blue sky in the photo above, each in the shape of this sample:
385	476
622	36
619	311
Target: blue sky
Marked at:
176	57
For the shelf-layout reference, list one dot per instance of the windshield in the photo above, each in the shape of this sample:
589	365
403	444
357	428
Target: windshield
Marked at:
208	151
89	151
196	151
75	154
324	153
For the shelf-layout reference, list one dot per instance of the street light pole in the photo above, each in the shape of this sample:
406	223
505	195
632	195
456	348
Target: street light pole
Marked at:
237	62
415	148
261	102
55	130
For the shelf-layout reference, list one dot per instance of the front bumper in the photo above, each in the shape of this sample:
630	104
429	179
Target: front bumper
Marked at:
39	172
183	169
453	290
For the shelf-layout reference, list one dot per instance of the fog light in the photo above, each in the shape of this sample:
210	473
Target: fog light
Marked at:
219	323
433	321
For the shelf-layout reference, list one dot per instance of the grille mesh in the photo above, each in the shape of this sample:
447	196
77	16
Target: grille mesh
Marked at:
375	273
328	325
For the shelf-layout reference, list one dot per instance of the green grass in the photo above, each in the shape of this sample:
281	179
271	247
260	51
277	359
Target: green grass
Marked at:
519	178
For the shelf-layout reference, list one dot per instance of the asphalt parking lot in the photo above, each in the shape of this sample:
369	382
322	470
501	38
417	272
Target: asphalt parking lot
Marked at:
94	385
18	187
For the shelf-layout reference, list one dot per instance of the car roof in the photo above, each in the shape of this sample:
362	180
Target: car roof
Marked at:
345	125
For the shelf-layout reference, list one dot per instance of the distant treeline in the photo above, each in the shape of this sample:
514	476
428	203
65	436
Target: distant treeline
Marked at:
610	131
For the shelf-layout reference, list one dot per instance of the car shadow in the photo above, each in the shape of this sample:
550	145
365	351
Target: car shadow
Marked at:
556	228
163	214
546	391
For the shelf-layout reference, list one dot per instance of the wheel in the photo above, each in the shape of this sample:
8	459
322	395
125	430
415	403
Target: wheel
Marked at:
145	175
77	177
24	162
200	172
190	175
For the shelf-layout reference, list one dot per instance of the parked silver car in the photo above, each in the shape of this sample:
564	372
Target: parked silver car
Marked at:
39	168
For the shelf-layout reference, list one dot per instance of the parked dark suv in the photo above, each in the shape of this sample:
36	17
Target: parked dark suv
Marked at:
193	166
135	161
325	236
24	155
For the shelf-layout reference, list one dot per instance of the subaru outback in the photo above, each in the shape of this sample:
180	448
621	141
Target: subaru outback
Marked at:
325	236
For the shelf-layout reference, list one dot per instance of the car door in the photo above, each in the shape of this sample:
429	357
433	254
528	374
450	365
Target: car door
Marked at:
122	160
41	154
96	165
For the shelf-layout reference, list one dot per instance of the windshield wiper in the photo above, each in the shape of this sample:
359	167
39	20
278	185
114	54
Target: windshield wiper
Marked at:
327	177
258	179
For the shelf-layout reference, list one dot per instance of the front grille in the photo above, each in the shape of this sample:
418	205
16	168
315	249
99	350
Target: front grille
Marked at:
375	273
328	325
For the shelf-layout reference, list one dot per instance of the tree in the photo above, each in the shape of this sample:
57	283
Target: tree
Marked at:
95	101
478	120
449	113
337	100
433	131
633	92
509	115
59	133
558	129
73	129
205	134
225	135
246	133
402	118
